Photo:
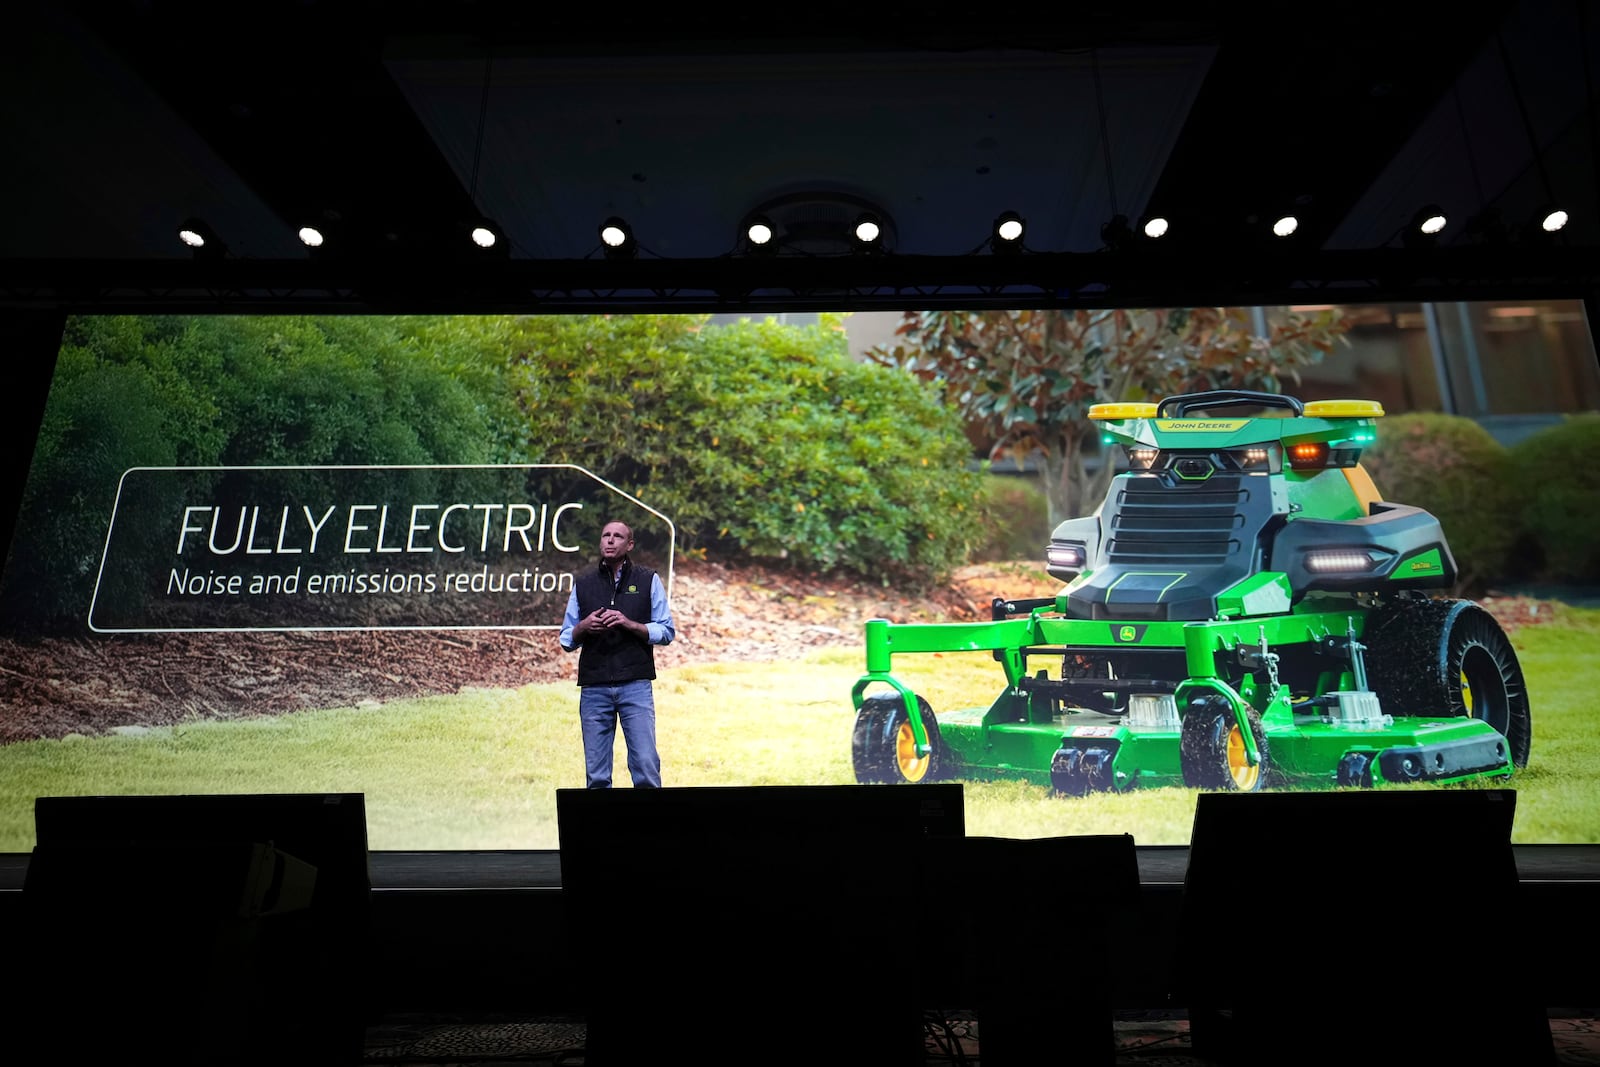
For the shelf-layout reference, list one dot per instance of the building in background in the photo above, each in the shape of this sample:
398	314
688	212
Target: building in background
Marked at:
1512	367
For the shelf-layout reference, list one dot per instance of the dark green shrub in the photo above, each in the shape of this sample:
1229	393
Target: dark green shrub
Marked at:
1013	520
1558	475
1452	467
133	391
101	420
762	441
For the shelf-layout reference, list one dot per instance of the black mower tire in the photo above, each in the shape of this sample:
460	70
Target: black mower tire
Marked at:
1211	748
882	746
1448	657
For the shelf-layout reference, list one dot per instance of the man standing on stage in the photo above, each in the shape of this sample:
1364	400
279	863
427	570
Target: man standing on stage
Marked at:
616	615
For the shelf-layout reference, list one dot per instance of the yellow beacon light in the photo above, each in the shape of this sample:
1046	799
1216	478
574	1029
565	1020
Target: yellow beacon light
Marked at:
1344	409
1123	410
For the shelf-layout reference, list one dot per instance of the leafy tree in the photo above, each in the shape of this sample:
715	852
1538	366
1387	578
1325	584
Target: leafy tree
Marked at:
1026	379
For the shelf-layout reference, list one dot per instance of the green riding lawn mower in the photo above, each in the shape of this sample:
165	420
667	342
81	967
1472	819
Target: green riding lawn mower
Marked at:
1242	611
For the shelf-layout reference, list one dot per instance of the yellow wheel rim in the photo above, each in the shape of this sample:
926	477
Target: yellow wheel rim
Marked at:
912	766
1466	694
1240	769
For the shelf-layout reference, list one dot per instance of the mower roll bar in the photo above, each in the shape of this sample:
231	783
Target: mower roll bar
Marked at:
1181	405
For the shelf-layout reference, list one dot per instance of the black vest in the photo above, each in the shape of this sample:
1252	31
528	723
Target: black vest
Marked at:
611	657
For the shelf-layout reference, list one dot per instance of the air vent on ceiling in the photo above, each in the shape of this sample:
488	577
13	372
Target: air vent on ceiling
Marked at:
821	223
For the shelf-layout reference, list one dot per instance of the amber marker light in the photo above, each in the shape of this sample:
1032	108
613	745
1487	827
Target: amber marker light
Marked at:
1308	455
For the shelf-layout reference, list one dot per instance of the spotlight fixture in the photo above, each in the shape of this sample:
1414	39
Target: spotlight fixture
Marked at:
1552	219
1155	226
1430	220
1008	230
1116	233
1285	226
868	232
484	237
760	234
322	231
1424	228
617	237
1544	226
201	239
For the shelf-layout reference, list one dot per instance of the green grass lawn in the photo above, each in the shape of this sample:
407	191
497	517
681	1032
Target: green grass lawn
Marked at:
479	770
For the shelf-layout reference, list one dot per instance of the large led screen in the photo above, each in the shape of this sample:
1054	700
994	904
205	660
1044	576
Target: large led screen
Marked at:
260	554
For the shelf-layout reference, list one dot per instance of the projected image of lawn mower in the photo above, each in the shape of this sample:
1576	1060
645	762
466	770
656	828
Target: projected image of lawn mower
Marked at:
1243	611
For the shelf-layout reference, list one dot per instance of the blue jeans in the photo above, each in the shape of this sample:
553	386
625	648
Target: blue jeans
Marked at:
600	708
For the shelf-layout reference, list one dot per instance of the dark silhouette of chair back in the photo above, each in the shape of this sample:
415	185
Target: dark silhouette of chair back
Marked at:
790	914
1375	925
1027	932
215	929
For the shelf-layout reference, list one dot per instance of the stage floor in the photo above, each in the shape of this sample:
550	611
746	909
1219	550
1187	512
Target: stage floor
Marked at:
1159	865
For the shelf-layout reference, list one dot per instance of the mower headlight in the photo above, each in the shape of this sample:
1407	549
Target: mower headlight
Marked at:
1070	555
1142	459
1339	561
1257	459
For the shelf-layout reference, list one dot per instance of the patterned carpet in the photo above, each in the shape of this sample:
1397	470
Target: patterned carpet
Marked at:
1144	1039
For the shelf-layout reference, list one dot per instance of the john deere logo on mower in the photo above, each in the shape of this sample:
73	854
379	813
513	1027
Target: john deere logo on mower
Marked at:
1127	634
1200	425
1427	563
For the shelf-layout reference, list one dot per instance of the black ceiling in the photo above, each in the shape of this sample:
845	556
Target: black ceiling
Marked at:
393	124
